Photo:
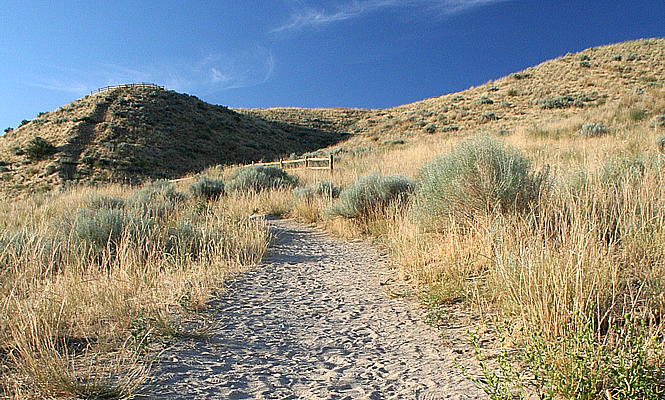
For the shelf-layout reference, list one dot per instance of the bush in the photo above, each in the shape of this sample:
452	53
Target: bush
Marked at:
660	120
430	128
660	144
186	240
486	117
209	189
370	194
258	177
39	148
484	100
519	76
480	176
24	244
637	114
621	170
322	189
593	129
102	201
97	234
560	102
156	199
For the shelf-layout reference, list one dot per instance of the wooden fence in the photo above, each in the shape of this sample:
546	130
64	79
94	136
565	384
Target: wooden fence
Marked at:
307	162
127	85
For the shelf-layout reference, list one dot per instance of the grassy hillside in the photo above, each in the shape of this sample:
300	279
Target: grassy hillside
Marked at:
131	134
601	83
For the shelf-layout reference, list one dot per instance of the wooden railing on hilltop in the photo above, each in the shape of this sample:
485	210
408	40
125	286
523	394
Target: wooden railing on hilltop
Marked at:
127	85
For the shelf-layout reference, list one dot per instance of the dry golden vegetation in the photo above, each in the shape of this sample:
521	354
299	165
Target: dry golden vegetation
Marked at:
94	280
536	200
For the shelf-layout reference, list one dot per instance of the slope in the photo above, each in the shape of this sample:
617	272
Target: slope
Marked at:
610	79
130	134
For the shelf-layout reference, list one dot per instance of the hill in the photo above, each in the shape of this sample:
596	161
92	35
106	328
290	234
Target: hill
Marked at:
130	134
602	82
133	133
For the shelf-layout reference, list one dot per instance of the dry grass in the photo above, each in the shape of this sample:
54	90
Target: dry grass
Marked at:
589	254
78	322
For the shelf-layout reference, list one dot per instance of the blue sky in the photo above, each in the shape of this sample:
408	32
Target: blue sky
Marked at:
304	53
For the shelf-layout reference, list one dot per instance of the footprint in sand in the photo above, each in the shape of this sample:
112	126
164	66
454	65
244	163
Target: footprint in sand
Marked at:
312	322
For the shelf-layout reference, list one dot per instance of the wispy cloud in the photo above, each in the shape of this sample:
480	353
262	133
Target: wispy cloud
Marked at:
75	88
216	72
213	72
305	17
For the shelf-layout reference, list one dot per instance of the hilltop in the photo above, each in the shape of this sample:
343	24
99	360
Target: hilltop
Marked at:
131	134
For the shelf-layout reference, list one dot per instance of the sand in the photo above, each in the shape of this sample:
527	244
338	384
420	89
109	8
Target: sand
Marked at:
314	321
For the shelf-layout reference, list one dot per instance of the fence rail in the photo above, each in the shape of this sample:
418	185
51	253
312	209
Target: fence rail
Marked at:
301	162
127	85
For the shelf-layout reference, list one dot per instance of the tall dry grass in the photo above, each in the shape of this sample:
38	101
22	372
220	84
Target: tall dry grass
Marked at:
92	280
580	268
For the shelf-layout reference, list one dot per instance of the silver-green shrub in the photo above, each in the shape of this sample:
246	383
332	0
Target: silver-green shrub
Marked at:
370	194
155	199
206	188
593	129
322	189
480	176
256	178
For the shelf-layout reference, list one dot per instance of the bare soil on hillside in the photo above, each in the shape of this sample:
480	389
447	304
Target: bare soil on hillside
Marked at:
314	321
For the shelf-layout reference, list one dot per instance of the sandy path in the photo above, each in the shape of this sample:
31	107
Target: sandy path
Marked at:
313	322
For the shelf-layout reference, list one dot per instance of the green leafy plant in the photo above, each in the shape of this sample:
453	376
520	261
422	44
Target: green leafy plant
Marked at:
625	364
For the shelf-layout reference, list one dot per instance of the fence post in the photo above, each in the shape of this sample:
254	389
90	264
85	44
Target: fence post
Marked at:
331	162
306	162
281	163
